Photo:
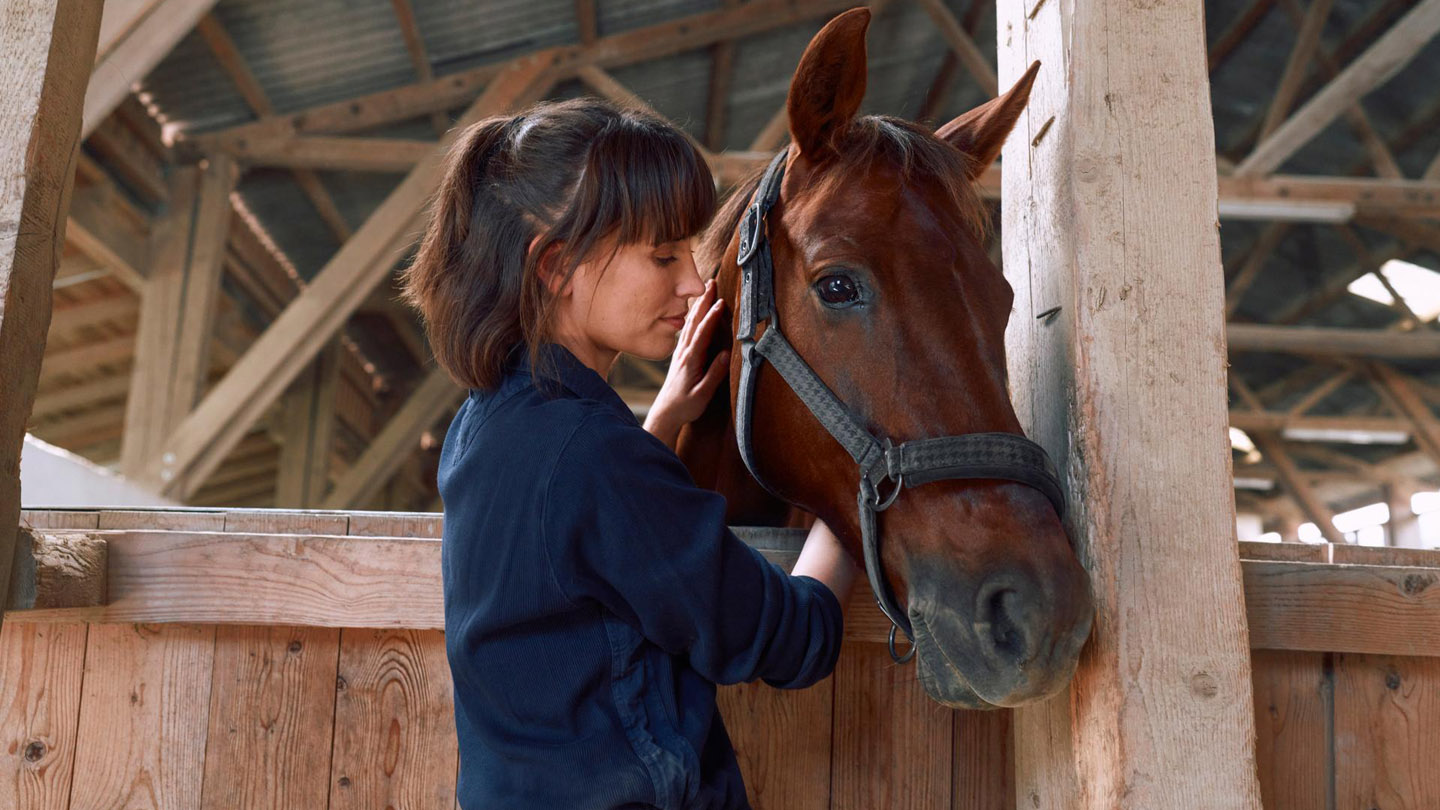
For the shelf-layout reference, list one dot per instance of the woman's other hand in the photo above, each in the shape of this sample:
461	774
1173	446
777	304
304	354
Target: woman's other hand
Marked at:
825	558
689	385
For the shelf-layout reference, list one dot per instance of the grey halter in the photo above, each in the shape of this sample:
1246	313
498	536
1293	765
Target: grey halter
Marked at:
1003	456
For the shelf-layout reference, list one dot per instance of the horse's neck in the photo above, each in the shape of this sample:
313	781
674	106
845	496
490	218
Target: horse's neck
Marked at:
708	447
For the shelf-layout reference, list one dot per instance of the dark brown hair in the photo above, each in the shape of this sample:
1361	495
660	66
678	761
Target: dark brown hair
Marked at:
575	173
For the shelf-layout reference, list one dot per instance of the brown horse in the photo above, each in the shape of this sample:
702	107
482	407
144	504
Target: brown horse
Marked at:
883	287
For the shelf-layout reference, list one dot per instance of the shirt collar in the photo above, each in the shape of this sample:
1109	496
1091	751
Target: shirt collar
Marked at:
572	374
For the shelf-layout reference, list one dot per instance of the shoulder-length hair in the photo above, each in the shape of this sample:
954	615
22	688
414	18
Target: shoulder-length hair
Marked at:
574	173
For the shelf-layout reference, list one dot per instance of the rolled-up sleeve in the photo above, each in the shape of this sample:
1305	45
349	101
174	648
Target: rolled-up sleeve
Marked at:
626	526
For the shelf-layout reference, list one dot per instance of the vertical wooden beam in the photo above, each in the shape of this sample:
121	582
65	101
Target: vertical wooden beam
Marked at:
172	345
722	69
1307	40
48	47
1126	388
419	57
309	427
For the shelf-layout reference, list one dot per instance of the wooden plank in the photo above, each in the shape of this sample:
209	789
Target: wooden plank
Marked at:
1293	694
1387	728
1297	65
436	396
47	45
1343	608
40	670
352	154
272	714
296	336
285	521
203	269
1378	63
1410	405
395	743
396	524
893	744
143	716
95	231
189	520
1236	33
1255	421
1389	555
782	742
1329	341
984	764
60	518
1286	552
1159	713
133	57
309	425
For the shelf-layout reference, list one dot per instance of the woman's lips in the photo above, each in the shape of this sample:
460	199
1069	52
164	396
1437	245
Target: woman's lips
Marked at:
678	323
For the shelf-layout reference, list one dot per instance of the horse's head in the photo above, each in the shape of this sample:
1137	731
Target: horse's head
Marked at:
883	287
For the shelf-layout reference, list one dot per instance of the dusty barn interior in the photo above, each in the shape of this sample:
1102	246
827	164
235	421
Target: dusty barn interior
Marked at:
221	427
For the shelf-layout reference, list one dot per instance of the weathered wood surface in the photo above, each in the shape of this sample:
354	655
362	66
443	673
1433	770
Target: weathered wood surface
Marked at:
48	47
1109	214
1293	705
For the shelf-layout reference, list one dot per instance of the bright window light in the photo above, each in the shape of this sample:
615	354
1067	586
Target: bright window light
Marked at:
1240	441
1370	536
1422	502
1419	286
1268	537
1310	533
1376	514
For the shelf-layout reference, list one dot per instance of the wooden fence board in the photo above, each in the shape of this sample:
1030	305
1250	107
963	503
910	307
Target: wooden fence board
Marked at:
1387	732
40	669
1292	708
892	742
59	519
395	742
983	761
396	524
143	716
285	521
782	740
272	715
158	520
1343	608
1372	555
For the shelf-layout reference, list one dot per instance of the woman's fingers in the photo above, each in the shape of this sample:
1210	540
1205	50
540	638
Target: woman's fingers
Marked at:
718	368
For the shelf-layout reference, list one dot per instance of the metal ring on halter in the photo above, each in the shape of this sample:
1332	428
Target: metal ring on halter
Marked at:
873	494
896	657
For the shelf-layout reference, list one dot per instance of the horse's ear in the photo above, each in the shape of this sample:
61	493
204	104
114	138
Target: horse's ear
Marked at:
981	132
829	83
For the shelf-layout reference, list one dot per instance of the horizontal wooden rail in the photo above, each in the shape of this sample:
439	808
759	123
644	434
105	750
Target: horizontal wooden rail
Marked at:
382	569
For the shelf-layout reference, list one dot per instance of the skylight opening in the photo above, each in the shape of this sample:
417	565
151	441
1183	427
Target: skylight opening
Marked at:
1419	286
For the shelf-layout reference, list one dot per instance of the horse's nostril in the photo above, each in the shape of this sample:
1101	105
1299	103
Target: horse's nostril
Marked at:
1006	620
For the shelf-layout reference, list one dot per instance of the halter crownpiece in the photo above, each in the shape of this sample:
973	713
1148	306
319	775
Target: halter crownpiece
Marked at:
885	468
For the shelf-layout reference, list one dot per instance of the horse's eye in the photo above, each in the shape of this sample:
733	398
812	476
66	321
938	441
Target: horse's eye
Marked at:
838	290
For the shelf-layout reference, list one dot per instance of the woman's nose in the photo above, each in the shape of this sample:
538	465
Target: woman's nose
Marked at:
690	284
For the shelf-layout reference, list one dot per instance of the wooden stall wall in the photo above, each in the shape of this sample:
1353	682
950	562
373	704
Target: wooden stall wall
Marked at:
99	713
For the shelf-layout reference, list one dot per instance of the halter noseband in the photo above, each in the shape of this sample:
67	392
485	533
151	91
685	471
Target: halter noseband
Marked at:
1004	456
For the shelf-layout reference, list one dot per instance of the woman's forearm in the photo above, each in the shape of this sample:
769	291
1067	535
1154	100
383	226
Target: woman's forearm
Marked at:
823	558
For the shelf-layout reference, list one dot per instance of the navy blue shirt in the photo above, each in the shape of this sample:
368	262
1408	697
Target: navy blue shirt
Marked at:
593	598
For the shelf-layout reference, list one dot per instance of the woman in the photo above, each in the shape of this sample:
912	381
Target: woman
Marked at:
593	594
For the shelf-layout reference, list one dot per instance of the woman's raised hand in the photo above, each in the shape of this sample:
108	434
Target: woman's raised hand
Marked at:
689	385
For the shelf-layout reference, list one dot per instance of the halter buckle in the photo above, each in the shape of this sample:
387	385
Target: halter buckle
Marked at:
872	493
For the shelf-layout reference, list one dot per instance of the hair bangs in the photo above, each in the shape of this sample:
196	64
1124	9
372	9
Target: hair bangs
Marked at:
662	189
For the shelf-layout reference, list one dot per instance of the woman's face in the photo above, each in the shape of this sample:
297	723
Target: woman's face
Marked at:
636	304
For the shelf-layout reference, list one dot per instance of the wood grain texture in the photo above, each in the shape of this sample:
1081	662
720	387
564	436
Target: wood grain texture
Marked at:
272	715
782	741
1343	608
48	47
1387	730
1112	217
984	763
1292	707
40	670
143	716
395	743
892	744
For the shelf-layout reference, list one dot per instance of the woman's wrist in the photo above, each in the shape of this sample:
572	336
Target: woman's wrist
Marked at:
662	427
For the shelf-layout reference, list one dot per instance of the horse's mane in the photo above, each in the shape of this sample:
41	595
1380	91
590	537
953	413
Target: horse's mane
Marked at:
913	150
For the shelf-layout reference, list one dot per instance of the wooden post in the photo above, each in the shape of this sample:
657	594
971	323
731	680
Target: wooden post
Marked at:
309	426
49	46
172	347
1110	204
